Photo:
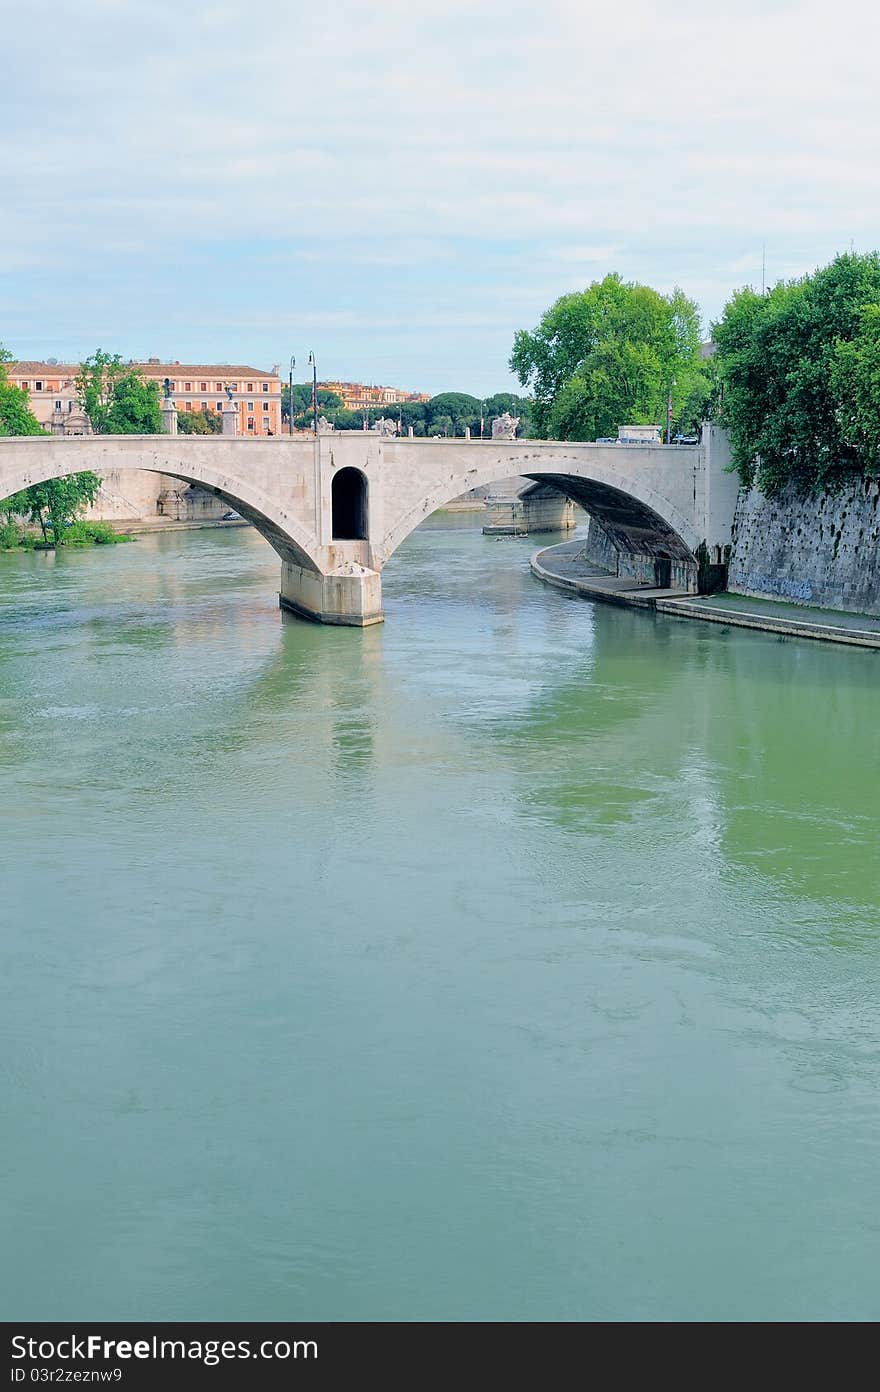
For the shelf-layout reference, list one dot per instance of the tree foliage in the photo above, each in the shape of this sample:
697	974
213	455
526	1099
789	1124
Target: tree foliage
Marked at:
450	413
116	398
607	356
55	504
800	368
206	422
16	416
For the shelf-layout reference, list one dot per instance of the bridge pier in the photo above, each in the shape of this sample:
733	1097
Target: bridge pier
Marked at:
528	509
351	595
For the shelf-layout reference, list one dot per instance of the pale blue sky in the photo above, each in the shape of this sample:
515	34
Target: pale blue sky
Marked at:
400	186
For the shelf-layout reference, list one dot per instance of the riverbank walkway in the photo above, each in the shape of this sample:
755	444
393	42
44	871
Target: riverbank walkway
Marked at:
566	567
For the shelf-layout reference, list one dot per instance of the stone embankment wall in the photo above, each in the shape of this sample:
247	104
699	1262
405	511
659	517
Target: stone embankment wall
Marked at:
820	549
136	495
600	549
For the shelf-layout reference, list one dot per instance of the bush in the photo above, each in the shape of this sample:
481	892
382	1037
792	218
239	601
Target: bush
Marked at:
93	533
10	535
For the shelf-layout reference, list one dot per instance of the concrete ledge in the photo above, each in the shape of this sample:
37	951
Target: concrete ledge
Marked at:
689	607
794	628
612	589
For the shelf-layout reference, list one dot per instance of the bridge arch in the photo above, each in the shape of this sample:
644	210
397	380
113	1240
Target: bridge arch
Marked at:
638	518
23	462
349	505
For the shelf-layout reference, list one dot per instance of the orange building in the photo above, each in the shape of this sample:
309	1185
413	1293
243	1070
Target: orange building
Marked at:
358	397
51	389
200	387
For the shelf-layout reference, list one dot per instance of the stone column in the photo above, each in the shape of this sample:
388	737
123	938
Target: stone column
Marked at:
230	418
169	417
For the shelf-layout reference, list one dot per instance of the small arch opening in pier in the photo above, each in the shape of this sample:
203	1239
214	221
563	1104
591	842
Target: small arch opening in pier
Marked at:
349	505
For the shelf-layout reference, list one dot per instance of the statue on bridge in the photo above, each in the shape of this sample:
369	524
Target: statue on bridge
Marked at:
325	426
228	391
166	387
385	426
504	427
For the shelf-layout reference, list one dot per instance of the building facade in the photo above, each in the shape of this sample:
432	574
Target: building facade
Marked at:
358	397
202	387
51	389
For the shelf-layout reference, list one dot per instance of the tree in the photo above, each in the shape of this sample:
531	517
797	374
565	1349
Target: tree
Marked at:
16	416
328	401
797	366
116	398
458	408
855	380
606	356
205	422
55	503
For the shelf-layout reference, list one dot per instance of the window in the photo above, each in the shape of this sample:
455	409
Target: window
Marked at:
69	407
38	386
219	405
57	405
187	386
250	405
234	386
250	422
265	386
24	386
172	385
188	406
250	386
218	386
265	405
204	405
203	386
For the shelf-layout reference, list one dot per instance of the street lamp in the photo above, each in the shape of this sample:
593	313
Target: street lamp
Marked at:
290	396
482	418
672	383
314	367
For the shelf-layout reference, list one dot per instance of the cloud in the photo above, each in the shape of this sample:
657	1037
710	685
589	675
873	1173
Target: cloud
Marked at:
184	169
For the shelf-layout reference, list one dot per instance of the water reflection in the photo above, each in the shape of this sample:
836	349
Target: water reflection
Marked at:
516	958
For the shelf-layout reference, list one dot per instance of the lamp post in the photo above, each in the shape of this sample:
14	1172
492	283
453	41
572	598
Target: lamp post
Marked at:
314	367
672	383
290	396
482	418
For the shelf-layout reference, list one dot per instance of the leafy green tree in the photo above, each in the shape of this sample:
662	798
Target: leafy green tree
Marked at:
328	401
606	356
16	416
796	368
855	380
205	422
116	398
346	420
461	410
55	504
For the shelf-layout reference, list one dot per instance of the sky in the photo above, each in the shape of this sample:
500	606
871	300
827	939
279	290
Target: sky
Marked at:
399	185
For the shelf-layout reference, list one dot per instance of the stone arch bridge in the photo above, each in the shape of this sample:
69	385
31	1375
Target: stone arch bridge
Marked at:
336	508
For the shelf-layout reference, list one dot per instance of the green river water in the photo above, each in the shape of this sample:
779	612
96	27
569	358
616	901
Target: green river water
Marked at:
515	959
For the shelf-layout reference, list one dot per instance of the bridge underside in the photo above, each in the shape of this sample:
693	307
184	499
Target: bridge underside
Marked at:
630	525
